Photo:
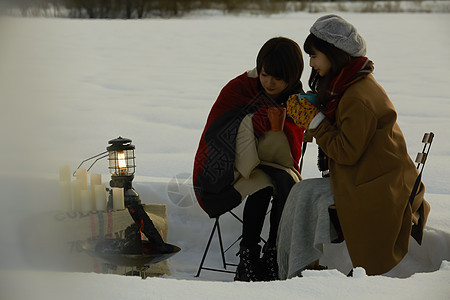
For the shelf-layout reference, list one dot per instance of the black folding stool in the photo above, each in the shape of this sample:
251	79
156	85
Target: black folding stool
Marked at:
216	227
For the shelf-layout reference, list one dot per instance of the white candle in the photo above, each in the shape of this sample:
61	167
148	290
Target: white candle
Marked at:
76	188
81	175
86	203
65	192
118	198
64	173
96	179
100	196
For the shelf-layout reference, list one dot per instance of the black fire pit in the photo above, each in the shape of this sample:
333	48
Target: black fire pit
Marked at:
111	251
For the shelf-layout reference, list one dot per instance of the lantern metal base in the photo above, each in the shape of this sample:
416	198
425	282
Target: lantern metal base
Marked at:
121	181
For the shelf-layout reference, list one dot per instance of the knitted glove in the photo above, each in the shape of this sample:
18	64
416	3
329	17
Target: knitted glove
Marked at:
301	110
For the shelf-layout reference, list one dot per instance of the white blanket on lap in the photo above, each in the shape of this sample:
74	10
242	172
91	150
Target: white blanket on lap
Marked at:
305	226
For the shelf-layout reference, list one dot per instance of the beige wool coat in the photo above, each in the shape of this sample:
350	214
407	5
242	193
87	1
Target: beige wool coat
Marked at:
372	177
271	149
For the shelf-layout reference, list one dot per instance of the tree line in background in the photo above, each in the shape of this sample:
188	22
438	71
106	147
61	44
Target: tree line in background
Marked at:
137	9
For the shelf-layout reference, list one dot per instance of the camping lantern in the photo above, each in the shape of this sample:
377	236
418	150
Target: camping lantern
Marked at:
121	157
122	167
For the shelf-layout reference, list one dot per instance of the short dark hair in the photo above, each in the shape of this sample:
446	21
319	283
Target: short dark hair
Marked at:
282	58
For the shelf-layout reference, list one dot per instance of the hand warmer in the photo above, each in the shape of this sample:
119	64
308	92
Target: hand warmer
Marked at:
301	110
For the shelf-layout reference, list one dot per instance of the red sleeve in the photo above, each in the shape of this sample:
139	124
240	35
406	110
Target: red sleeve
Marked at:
260	121
295	136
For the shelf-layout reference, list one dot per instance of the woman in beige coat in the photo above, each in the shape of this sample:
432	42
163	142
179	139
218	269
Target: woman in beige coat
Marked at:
354	123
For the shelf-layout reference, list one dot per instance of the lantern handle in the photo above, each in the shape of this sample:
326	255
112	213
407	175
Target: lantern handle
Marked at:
87	159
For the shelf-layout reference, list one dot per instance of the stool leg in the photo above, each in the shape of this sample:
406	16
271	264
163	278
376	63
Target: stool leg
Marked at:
221	245
216	224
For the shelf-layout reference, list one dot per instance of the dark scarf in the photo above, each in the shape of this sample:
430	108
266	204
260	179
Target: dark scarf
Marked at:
357	69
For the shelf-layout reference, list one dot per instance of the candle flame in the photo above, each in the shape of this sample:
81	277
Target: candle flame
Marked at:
121	160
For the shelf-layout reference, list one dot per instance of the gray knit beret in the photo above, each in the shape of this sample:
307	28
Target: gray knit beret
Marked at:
340	33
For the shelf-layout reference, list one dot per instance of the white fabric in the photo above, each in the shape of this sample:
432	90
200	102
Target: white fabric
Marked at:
274	147
255	182
246	154
271	149
316	120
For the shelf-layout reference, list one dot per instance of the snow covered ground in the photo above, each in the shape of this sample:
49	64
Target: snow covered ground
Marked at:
69	86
